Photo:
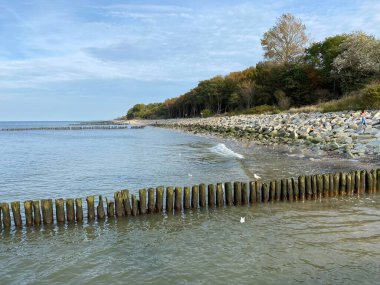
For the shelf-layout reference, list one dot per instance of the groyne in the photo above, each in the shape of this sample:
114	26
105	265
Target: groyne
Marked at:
181	199
74	128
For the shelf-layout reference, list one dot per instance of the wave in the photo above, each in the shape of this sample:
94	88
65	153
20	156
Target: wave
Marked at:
221	149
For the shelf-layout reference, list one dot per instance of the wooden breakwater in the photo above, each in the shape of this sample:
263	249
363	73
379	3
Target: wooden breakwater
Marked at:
178	199
75	128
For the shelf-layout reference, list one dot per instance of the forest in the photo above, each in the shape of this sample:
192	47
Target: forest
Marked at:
293	73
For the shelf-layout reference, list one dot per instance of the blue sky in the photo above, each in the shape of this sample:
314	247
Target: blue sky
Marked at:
88	60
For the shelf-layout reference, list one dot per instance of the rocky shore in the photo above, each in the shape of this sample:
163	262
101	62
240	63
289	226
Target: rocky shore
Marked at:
340	133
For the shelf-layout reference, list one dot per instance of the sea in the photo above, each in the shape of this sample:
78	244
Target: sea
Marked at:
333	241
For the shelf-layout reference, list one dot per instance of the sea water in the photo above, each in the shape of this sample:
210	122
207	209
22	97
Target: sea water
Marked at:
323	242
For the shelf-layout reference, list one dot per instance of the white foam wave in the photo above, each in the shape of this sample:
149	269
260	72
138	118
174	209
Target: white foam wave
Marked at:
221	149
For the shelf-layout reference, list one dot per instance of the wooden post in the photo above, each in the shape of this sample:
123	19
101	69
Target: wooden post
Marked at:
244	193
378	180
265	191
28	207
362	181
47	211
302	187
195	197
36	213
284	190
60	210
319	186
219	195
308	187
142	199
16	214
326	185
79	210
110	208
169	199
100	209
278	190
186	197
228	193
357	182
6	215
272	190
259	195
237	193
202	195
374	178
90	208
252	194
135	205
126	202
119	205
342	184
211	195
349	184
151	200
159	199
336	184
178	199
314	186
369	182
289	186
70	211
332	187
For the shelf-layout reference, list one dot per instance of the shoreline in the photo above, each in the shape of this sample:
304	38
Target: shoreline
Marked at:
336	133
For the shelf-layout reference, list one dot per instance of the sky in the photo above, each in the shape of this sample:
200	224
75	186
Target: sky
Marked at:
93	59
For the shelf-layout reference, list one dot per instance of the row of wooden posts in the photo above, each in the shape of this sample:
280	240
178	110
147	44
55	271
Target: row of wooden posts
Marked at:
75	128
303	188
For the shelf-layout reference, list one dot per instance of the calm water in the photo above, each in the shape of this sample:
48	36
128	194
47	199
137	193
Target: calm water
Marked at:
328	242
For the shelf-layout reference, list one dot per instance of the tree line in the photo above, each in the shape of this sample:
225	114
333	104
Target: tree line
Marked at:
292	75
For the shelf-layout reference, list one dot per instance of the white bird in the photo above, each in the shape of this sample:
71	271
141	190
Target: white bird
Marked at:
190	175
242	219
256	176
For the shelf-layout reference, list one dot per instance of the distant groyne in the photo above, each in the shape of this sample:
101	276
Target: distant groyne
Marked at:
181	199
75	128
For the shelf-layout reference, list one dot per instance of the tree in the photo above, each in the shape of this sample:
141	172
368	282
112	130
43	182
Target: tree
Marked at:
285	41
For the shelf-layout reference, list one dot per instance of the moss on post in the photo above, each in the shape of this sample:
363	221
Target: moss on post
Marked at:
70	211
169	199
259	194
186	197
211	195
369	182
362	181
6	215
244	193
349	184
302	187
343	184
36	213
278	190
296	190
100	213
142	199
60	210
47	211
229	193
272	190
319	186
135	205
252	193
308	187
151	206
237	193
195	197
159	199
16	214
126	202
357	182
314	187
219	195
326	185
265	191
110	208
284	189
332	186
177	199
79	210
202	195
336	184
28	208
374	178
289	187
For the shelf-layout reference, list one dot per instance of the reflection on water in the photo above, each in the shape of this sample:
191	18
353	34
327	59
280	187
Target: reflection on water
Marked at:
328	242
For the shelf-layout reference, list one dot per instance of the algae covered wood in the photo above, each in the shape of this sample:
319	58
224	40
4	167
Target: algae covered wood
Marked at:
90	208
151	206
159	199
284	189
314	187
319	186
142	198
349	184
119	205
244	193
211	195
6	215
28	209
302	187
110	208
60	210
374	180
289	186
47	211
296	191
278	190
126	202
228	193
16	214
70	211
259	195
177	198
326	185
79	210
252	192
195	197
237	193
186	197
343	184
265	191
36	213
357	182
134	205
100	213
331	184
369	182
219	195
272	190
308	187
202	195
169	199
336	184
362	181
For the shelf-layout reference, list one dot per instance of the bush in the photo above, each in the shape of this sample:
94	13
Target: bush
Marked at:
371	97
206	113
262	109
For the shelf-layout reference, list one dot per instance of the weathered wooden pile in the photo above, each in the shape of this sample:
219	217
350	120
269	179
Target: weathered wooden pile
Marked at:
75	128
177	199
